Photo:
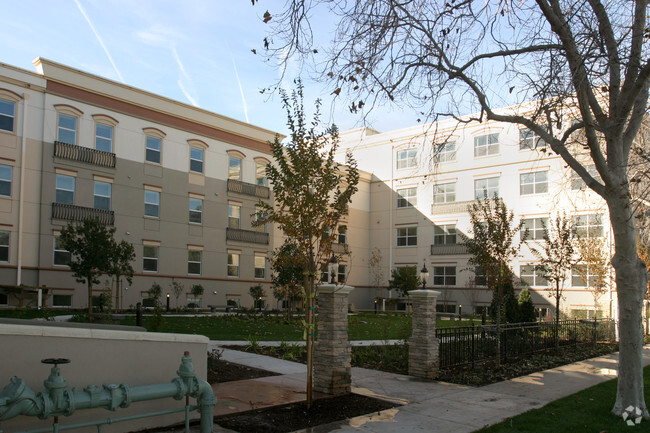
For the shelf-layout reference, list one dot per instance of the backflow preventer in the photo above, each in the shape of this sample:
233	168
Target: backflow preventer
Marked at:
55	400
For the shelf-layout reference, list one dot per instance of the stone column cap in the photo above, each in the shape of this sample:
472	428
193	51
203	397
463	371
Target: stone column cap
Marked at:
424	293
335	288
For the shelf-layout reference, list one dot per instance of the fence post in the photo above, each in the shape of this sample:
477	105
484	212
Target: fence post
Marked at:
424	357
473	342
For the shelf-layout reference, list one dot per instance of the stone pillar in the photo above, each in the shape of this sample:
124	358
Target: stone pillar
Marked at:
332	374
423	344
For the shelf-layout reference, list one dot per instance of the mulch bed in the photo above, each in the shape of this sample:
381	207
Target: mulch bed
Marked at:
223	371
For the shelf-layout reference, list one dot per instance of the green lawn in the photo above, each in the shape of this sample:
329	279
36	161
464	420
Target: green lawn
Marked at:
586	411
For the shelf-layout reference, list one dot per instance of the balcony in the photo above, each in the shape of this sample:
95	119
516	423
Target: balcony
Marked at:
249	236
448	249
70	212
246	188
453	207
84	154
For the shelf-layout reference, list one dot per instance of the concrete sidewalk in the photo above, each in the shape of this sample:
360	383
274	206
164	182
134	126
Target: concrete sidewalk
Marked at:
429	406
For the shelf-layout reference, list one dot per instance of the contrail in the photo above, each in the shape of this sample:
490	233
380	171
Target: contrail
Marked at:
183	75
186	93
241	90
101	42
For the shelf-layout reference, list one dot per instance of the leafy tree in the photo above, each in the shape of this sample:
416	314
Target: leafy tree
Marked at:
492	248
585	65
288	274
177	290
312	193
594	267
404	279
526	306
196	290
257	293
119	265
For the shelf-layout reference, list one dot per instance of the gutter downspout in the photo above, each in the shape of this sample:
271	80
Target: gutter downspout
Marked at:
21	201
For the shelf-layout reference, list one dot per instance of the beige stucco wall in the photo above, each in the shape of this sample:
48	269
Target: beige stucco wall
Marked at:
98	357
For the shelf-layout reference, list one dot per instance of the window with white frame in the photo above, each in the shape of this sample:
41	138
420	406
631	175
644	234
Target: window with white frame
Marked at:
234	168
341	273
7	115
62	257
444	234
196	159
407	197
234	216
576	181
486	188
194	262
104	137
444	275
444	193
485	145
529	140
531	275
260	267
260	173
233	264
480	277
445	152
6	180
343	235
150	258
196	210
64	189
4	246
535	227
153	149
152	203
580	272
406	158
533	183
588	226
67	128
102	195
407	236
260	215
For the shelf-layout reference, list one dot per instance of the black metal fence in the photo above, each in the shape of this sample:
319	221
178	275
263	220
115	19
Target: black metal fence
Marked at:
470	344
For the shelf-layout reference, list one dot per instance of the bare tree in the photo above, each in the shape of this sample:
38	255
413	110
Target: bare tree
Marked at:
594	267
583	64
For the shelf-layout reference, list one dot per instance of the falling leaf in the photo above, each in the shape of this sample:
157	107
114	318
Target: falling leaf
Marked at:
337	91
267	17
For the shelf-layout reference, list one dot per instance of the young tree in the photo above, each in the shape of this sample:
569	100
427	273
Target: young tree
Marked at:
91	245
257	293
404	279
594	268
288	274
155	292
557	257
584	64
311	193
375	269
196	290
526	306
177	290
121	256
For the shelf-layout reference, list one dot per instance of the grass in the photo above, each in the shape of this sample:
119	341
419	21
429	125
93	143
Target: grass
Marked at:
585	411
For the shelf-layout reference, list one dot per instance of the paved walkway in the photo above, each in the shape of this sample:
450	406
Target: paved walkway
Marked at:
429	406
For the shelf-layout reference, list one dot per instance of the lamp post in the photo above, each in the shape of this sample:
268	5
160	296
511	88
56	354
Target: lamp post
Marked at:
168	302
332	268
424	274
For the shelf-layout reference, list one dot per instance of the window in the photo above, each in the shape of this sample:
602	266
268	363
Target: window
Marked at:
260	214
6	180
444	235
533	183
62	300
196	210
194	262
485	188
342	271
150	258
588	226
64	189
343	235
480	279
406	158
579	272
529	140
67	129
153	149
104	137
444	275
407	197
4	299
196	159
445	152
260	266
532	276
234	168
407	236
535	227
485	145
576	181
7	115
4	246
61	257
234	216
152	203
260	173
233	264
444	193
102	195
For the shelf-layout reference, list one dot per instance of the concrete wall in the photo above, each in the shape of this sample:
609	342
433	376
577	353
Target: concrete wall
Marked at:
98	357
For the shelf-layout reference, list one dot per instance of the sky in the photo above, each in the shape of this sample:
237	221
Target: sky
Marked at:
198	52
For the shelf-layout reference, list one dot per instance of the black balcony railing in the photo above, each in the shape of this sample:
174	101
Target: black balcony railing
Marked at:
84	154
249	236
70	212
246	188
448	249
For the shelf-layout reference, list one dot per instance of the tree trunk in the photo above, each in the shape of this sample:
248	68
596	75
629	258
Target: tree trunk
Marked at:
631	284
557	316
90	300
309	319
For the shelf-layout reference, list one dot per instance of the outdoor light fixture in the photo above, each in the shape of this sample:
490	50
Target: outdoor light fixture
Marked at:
168	302
424	274
332	268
